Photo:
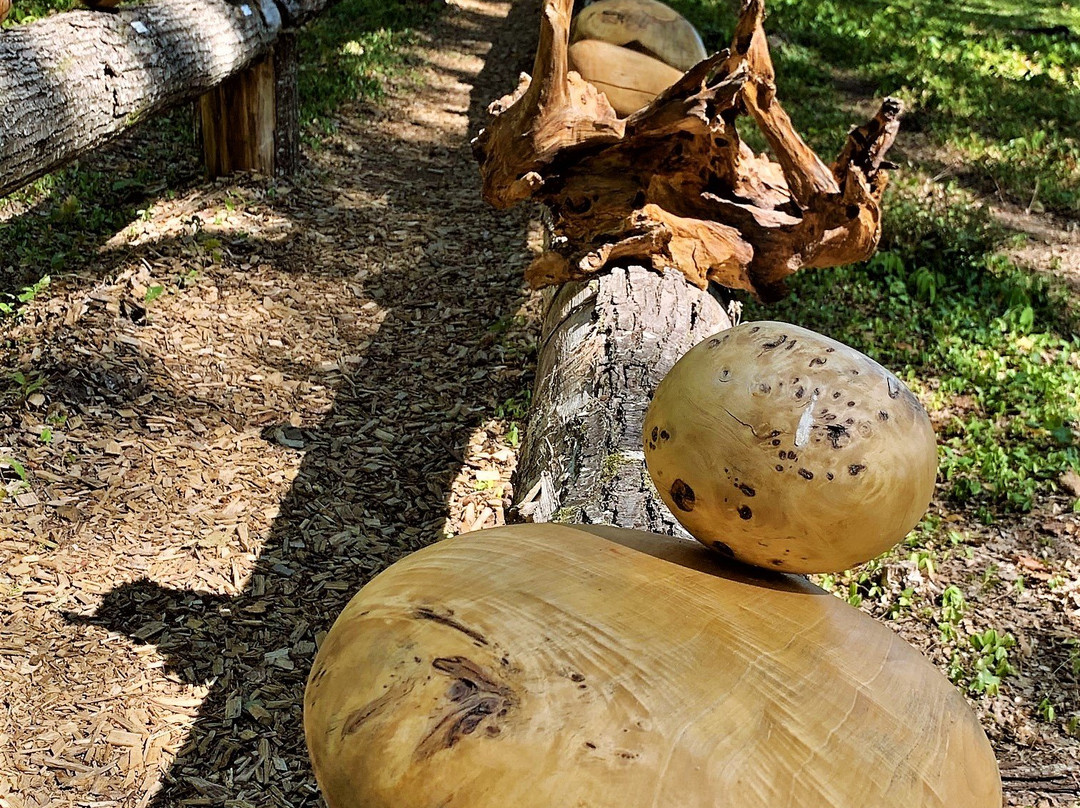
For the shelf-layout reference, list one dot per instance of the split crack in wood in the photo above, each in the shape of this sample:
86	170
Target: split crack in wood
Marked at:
673	186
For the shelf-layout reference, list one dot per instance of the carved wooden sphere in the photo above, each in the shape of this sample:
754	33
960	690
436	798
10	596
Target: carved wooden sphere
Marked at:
541	666
789	450
631	50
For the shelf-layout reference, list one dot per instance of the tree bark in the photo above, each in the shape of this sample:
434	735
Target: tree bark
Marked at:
72	82
605	345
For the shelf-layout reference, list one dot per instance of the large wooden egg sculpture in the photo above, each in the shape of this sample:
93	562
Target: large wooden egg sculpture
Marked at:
549	666
789	450
631	50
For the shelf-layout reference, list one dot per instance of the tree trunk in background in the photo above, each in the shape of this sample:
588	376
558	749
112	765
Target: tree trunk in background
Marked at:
605	345
74	81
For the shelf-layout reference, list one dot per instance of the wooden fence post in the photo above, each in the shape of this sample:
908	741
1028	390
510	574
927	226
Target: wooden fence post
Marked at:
251	121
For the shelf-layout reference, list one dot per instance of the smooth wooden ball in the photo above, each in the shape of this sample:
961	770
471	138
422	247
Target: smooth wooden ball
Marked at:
789	450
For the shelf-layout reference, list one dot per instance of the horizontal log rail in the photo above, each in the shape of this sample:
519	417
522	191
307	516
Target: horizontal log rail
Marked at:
74	81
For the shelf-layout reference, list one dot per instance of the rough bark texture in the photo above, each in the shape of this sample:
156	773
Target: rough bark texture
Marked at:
606	344
673	185
287	105
71	82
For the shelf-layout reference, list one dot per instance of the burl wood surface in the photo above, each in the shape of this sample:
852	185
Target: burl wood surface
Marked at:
546	665
789	450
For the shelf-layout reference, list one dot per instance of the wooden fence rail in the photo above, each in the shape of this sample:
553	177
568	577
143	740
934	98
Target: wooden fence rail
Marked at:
74	81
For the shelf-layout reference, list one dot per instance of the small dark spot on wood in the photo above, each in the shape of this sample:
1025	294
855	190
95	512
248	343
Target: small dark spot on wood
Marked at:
776	442
791	345
838	436
829	475
655	433
851	403
818	360
682	495
849	421
779	341
664	434
800	392
725	374
590	744
777	562
792	456
424	613
755	329
652	445
628	755
747	490
855	468
723	549
715	342
782	454
764	388
779	467
806	474
745	512
882	415
830	350
577	677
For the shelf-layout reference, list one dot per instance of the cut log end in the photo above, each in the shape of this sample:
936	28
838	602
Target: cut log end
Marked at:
672	186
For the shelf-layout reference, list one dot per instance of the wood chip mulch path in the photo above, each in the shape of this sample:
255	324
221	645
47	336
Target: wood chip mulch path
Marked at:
322	384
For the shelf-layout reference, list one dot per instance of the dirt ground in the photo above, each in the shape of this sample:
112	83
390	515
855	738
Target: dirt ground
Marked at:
323	386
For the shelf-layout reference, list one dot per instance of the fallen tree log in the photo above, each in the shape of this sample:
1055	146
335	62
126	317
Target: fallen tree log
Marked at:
74	81
605	345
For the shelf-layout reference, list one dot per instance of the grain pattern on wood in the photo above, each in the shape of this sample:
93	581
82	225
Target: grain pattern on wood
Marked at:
673	186
605	346
237	119
546	664
251	121
789	450
72	82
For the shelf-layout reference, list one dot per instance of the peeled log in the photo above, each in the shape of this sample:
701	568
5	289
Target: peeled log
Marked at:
544	665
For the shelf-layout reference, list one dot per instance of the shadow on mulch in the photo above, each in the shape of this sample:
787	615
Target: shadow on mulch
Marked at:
335	530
